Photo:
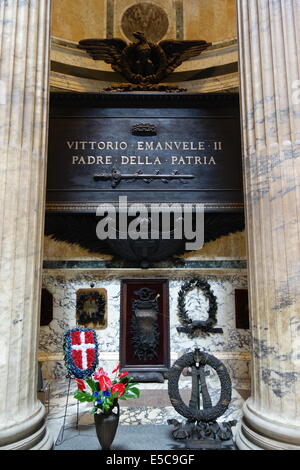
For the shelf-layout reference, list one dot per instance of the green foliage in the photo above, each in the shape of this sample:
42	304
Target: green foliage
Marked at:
132	393
132	384
135	391
92	385
83	396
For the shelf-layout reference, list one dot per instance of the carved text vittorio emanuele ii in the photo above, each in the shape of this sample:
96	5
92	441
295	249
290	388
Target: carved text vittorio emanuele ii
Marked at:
174	152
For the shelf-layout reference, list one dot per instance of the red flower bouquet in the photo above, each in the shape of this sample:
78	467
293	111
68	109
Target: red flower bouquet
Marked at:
105	392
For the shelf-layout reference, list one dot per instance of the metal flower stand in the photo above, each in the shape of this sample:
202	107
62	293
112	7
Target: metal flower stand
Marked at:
60	437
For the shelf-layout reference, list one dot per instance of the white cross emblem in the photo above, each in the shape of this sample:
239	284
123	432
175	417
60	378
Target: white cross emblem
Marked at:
83	347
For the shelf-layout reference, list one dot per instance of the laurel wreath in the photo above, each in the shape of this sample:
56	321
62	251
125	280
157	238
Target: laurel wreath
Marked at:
100	302
208	414
192	327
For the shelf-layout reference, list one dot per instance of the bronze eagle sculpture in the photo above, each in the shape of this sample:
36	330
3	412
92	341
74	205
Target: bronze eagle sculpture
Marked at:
143	62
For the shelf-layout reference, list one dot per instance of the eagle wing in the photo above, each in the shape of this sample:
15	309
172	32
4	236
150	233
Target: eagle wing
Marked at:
108	50
179	51
184	49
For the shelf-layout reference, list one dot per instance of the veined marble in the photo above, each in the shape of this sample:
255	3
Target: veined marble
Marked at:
269	45
232	347
24	67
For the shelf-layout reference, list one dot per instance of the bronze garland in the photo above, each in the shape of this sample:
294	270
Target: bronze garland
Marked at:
205	415
190	327
96	317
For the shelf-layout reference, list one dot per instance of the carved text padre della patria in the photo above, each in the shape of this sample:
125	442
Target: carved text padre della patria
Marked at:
184	146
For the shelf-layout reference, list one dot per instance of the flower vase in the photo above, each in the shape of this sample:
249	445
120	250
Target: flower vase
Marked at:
106	427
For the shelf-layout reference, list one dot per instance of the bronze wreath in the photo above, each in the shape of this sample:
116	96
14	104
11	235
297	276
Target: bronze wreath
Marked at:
100	302
190	327
208	414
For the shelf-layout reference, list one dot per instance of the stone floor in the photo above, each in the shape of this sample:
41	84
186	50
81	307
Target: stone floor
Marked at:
140	437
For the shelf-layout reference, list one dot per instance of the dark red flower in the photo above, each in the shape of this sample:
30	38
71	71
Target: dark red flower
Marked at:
105	383
90	355
118	388
80	385
123	374
77	358
75	335
117	368
89	337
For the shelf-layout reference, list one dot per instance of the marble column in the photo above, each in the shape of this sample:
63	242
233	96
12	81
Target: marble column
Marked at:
269	44
24	77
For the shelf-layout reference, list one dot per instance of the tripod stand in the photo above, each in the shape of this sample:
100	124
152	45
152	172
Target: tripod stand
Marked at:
60	437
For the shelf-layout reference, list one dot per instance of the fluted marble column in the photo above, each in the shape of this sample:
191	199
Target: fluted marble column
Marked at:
269	43
24	64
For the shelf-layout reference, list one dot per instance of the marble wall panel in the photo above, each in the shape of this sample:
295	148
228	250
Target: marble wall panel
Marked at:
232	346
212	20
79	20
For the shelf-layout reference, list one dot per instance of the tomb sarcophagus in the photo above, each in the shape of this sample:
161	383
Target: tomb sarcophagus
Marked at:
145	148
149	147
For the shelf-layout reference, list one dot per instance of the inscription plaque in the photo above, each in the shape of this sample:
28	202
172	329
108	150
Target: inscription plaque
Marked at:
184	148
